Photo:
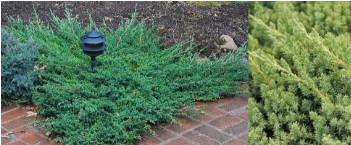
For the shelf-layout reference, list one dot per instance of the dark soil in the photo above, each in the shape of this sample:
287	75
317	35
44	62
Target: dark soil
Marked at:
174	21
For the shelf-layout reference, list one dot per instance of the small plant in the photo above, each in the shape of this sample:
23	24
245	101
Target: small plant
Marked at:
17	72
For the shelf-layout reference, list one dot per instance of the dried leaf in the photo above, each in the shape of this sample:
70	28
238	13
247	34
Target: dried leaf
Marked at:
109	18
44	67
37	66
48	133
40	77
78	117
31	113
177	78
30	108
132	93
71	46
7	135
83	133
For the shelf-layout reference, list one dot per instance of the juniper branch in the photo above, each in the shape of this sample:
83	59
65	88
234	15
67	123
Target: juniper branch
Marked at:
277	66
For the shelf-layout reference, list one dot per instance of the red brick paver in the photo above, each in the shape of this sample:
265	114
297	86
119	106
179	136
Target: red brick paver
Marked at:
199	117
212	110
179	141
244	138
12	115
220	101
28	135
225	122
235	142
203	117
199	138
234	104
163	134
213	133
7	108
47	142
149	140
186	124
17	142
17	122
238	128
244	115
5	140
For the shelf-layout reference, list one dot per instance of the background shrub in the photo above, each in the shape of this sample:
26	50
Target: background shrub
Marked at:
134	84
17	73
300	73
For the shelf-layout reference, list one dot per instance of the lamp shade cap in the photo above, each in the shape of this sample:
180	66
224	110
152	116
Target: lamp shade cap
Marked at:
93	33
93	40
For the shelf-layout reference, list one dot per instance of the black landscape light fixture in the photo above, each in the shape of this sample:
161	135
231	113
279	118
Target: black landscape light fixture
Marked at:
93	45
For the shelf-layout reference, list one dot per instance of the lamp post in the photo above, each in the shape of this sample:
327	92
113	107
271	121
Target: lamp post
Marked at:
93	45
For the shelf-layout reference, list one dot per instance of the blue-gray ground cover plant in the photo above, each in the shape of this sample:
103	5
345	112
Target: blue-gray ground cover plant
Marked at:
17	74
134	84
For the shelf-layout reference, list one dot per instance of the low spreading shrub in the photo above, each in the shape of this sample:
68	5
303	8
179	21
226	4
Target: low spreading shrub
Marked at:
17	74
133	86
300	73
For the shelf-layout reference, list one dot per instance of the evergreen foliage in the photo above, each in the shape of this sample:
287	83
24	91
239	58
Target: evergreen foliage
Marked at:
300	73
134	84
17	74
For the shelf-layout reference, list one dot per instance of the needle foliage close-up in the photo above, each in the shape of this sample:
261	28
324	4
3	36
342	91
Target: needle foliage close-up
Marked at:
300	73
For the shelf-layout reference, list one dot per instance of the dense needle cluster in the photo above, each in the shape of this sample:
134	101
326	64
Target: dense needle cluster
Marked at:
300	73
17	74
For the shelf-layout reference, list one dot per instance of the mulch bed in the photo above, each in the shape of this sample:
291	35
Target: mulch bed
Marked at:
174	21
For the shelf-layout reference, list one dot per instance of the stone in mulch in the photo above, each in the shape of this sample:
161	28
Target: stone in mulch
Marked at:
228	43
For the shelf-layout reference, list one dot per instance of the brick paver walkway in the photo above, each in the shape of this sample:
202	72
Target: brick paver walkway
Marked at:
15	124
225	122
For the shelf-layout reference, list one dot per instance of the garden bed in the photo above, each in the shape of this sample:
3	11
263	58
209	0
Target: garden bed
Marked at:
174	21
136	83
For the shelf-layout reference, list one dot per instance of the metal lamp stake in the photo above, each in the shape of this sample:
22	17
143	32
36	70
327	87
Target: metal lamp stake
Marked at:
93	45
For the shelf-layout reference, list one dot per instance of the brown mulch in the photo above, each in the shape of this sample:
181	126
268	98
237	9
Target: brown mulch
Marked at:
175	21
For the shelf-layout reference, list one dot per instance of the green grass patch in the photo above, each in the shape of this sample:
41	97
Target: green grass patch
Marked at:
134	84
